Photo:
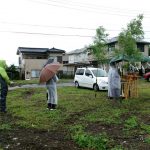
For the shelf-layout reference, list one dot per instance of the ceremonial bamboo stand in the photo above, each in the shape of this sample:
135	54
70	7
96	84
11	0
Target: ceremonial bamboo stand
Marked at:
129	86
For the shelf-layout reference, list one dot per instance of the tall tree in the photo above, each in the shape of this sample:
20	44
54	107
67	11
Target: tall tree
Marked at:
12	68
128	37
98	48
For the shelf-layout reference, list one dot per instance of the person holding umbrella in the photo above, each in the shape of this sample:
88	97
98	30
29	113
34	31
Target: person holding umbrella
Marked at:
48	75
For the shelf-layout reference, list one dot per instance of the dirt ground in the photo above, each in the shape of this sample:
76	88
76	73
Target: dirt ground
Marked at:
33	139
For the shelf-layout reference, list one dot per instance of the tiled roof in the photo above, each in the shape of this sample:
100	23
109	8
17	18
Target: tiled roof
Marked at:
77	51
56	50
115	40
31	49
112	40
38	50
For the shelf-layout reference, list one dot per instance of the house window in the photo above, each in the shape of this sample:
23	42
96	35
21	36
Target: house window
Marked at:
59	59
111	47
19	60
35	73
65	62
38	57
140	47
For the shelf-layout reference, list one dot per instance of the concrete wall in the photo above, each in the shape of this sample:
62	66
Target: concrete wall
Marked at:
145	53
79	57
32	65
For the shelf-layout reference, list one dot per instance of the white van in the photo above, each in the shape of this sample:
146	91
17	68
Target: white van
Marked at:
94	78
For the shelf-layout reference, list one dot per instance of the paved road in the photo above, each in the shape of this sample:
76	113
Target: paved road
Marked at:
40	85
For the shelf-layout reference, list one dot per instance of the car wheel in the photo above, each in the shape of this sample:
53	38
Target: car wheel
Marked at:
76	84
95	87
148	79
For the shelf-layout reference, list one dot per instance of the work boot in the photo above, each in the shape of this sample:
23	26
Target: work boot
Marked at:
49	106
3	111
54	106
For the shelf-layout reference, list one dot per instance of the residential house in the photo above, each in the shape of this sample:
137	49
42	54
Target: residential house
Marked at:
31	60
83	57
142	45
76	58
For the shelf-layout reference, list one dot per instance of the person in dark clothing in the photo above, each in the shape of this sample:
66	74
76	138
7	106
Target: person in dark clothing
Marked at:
4	81
4	90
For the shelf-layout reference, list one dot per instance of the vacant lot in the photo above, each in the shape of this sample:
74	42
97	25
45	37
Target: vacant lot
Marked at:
83	120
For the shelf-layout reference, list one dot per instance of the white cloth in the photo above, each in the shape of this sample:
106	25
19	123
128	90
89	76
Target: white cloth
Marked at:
114	83
52	90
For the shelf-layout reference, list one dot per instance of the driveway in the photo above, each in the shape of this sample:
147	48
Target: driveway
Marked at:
40	85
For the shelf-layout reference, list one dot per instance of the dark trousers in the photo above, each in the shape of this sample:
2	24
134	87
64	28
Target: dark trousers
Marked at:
3	92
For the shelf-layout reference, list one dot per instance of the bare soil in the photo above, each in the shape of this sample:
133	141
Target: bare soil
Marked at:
35	139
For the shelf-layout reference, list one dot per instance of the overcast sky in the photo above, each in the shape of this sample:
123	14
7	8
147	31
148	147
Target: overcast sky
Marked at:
66	25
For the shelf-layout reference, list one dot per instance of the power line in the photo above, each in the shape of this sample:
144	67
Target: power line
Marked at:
46	26
66	27
91	5
47	34
84	8
100	6
79	9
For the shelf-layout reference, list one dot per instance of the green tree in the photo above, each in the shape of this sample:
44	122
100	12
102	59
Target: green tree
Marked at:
12	68
12	72
98	47
128	37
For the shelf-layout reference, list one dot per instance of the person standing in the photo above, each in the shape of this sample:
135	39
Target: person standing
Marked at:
114	82
52	98
51	86
4	81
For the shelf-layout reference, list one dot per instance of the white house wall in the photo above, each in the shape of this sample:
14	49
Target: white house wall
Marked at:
78	58
145	53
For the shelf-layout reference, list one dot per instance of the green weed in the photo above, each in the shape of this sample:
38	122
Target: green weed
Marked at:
147	140
103	115
146	128
85	140
5	126
131	122
118	147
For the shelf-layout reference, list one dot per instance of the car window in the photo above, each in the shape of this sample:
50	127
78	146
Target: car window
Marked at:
88	72
80	72
99	73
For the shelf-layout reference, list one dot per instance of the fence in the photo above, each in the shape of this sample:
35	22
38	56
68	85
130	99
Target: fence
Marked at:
68	74
130	86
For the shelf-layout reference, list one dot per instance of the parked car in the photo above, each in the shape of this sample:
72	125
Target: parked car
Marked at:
147	76
94	78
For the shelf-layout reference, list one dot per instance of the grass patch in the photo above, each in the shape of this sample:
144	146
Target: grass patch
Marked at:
85	140
94	122
36	81
102	114
147	140
146	128
5	126
131	123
